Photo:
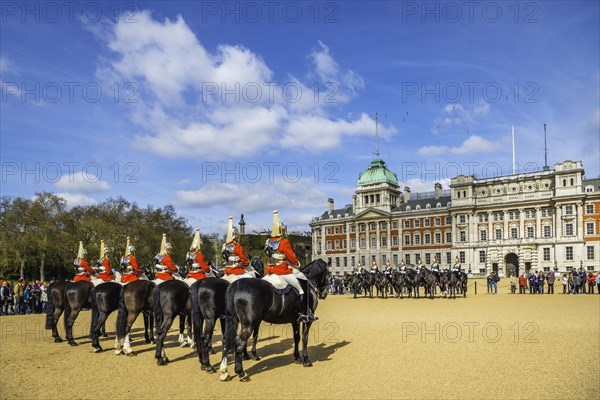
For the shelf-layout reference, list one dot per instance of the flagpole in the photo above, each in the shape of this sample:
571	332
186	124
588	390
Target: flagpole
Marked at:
513	150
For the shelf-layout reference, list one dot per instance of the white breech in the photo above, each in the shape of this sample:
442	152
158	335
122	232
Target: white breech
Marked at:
190	281
232	278
292	280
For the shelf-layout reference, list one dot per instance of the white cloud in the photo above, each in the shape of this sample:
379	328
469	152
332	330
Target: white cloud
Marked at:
75	199
458	115
417	185
184	112
81	182
473	144
250	198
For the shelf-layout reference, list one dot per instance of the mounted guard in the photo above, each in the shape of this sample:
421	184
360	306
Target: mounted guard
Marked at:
284	264
105	271
198	269
84	271
164	263
132	271
237	264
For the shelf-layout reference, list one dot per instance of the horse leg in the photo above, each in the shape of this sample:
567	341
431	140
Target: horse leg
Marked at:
296	328
131	317
146	323
69	322
55	317
305	328
205	342
103	329
96	328
255	356
241	343
181	338
161	334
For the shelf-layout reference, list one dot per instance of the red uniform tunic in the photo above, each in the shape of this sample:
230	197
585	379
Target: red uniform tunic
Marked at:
282	267
136	271
238	268
171	268
86	274
204	268
107	274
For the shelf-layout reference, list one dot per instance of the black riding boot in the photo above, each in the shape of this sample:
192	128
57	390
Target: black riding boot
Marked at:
306	314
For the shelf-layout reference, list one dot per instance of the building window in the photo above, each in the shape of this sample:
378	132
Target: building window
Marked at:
406	223
328	230
546	251
481	256
372	226
498	216
569	253
337	262
483	235
383	226
345	244
395	259
483	217
352	243
568	210
344	229
569	229
373	242
320	247
394	240
329	245
337	244
417	238
383	260
462	219
547	231
438	221
394	224
352	228
427	258
417	223
427	238
589	228
463	236
438	238
448	220
353	261
363	242
514	233
589	208
336	230
530	232
448	237
461	257
345	262
362	260
407	240
590	252
498	234
363	227
546	212
426	222
439	257
407	259
448	258
384	241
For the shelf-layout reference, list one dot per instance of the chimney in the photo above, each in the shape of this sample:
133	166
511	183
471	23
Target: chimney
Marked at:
437	188
330	205
242	226
406	193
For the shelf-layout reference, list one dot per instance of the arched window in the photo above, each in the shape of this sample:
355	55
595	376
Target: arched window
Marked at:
571	181
564	182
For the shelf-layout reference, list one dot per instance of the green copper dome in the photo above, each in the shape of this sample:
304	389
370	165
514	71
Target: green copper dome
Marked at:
377	173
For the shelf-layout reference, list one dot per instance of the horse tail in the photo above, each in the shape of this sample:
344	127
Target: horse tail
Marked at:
95	314
49	309
122	315
196	315
231	319
158	313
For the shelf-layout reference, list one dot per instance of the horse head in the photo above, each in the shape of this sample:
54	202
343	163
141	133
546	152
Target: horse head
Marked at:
317	272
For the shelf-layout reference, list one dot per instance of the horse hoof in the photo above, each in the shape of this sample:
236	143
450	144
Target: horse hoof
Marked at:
202	368
209	369
246	357
298	360
58	340
225	377
73	343
118	352
132	354
148	341
255	357
98	349
307	364
153	341
212	351
244	377
104	334
161	361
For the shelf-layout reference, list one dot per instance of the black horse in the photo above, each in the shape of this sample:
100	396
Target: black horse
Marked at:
136	297
250	301
355	284
77	296
171	298
368	280
54	307
105	300
208	304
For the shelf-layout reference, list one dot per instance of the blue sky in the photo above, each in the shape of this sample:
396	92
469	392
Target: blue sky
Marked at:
228	108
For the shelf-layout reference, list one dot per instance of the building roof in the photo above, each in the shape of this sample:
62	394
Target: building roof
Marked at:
377	173
594	182
422	203
341	212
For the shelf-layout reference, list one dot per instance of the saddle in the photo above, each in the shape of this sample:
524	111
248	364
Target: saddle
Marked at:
280	286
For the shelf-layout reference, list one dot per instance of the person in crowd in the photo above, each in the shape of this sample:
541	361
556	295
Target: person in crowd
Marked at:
591	281
522	284
513	284
541	278
550	279
495	280
35	300
532	282
598	283
5	298
576	282
565	283
489	279
582	280
18	296
26	299
44	296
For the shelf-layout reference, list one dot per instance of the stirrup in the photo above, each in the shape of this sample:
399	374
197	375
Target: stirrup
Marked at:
310	317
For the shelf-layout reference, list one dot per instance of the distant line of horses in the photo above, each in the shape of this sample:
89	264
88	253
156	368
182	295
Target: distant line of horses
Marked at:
244	303
398	283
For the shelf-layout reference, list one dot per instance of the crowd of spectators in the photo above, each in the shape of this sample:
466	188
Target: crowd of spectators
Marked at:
574	282
22	297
